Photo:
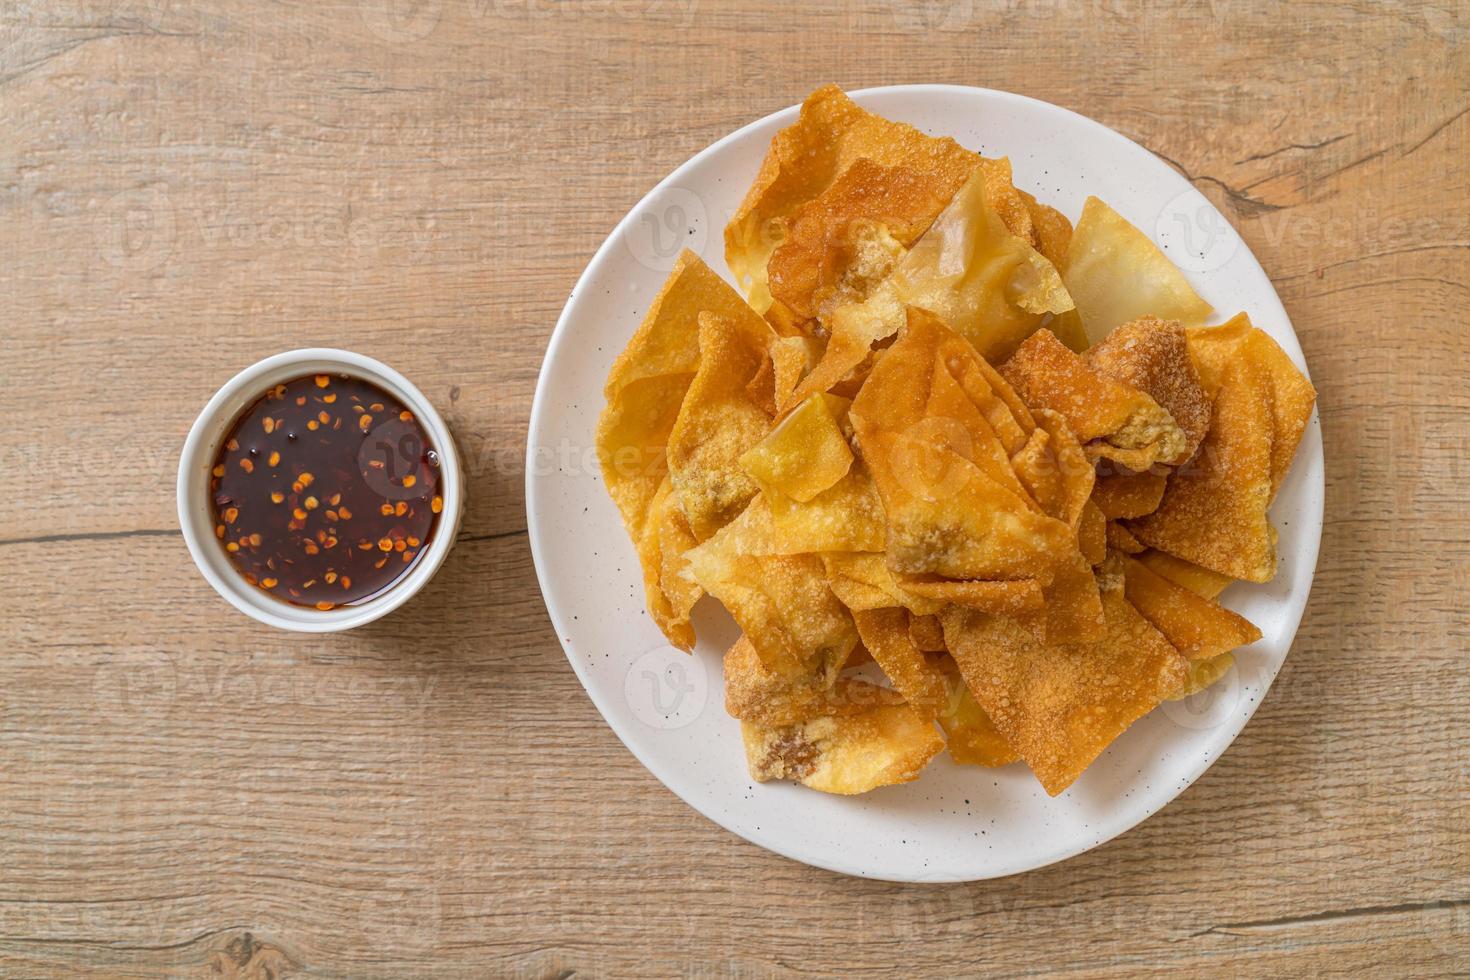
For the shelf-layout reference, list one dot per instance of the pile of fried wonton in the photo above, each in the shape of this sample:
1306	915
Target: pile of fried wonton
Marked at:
947	432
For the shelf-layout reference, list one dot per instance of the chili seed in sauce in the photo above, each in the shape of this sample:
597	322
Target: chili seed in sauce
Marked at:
309	509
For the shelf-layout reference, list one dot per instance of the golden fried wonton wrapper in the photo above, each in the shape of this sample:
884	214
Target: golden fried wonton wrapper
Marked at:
1291	394
1197	627
756	694
1121	539
854	329
981	246
987	283
1053	230
1115	273
781	601
1060	705
936	426
972	736
648	382
1010	596
1061	478
1153	356
885	633
1092	534
1216	519
807	157
846	754
1055	469
848	238
1124	495
863	581
1013	205
1071	605
791	359
847	517
927	633
805	454
1200	581
1214	509
1111	419
1203	673
670	594
721	417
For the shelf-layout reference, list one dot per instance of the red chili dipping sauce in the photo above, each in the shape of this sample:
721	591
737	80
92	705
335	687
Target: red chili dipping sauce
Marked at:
326	491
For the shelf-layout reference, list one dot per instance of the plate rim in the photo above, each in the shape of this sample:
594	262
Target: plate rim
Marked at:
1310	554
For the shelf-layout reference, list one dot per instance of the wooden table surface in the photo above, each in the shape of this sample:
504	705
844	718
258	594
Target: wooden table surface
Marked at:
186	187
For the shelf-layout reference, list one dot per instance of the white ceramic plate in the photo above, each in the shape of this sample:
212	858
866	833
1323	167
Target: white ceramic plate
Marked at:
954	823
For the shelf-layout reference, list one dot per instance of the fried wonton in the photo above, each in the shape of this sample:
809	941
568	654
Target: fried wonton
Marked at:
791	359
845	754
1055	469
972	737
1111	419
848	238
846	517
927	633
720	419
648	381
1119	538
757	694
1010	595
885	633
1197	627
1071	605
807	157
976	265
1200	581
1292	395
986	282
1153	356
1123	494
1031	555
1114	274
863	581
1203	673
1092	534
1214	509
1014	206
937	427
670	595
805	454
854	329
781	601
1060	705
1053	230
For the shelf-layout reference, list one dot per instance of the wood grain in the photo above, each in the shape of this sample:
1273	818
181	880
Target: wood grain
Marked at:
186	187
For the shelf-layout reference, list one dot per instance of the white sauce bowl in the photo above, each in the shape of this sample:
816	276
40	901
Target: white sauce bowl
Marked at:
202	446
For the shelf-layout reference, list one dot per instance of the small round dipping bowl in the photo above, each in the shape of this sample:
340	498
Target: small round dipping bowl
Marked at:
203	444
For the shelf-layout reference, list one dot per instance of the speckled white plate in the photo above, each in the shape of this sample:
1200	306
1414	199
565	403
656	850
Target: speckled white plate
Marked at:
954	823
